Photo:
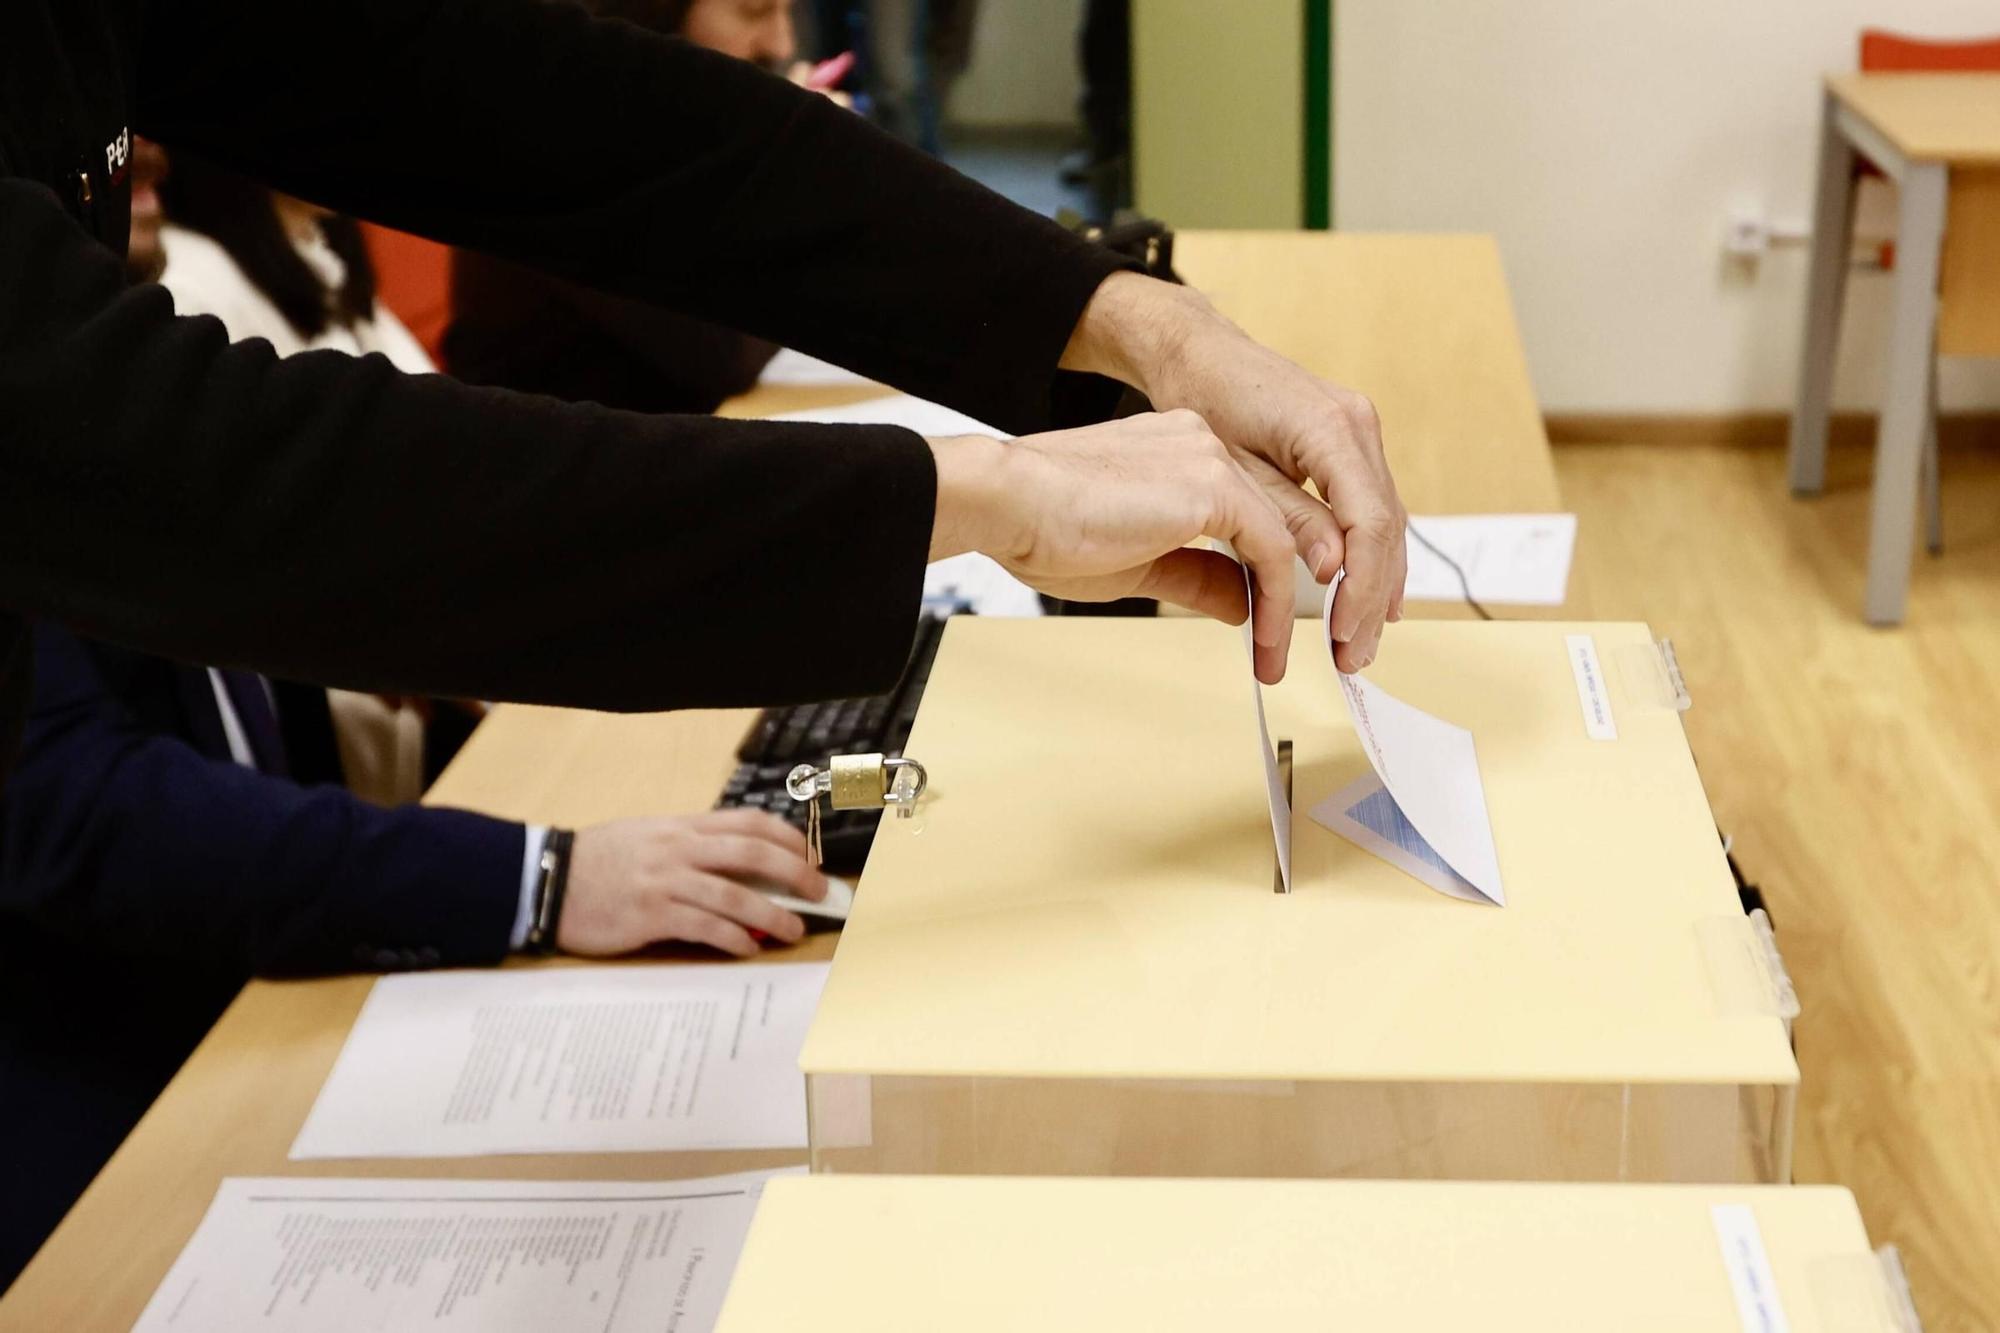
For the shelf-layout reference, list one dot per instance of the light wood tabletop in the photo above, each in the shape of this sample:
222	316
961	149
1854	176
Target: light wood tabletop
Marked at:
1946	117
1421	324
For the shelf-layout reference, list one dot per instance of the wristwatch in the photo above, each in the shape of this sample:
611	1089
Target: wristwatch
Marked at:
546	918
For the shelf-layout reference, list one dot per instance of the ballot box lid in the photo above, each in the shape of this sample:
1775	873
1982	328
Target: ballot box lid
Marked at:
1087	889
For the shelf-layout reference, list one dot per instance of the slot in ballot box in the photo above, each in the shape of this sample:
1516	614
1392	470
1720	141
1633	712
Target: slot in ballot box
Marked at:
1071	960
895	1253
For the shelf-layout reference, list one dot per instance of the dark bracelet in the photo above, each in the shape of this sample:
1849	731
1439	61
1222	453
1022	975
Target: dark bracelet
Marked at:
550	891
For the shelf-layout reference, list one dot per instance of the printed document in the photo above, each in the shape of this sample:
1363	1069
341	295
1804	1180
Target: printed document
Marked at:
403	1256
1517	559
571	1059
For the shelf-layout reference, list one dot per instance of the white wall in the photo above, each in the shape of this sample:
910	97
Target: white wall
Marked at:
1604	141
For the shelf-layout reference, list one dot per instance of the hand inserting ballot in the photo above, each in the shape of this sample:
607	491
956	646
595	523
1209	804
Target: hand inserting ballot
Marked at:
1284	427
1108	511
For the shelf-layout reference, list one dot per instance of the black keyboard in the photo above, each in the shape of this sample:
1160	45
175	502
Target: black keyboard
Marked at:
782	738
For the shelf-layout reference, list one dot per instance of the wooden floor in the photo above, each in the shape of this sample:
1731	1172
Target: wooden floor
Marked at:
1858	771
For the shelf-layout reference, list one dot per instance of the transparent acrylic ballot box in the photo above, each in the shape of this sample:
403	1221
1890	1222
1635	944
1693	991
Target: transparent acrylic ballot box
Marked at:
1072	959
890	1254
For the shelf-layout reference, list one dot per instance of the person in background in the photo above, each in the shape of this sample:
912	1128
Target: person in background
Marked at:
518	328
144	258
182	828
297	275
909	54
273	267
1104	57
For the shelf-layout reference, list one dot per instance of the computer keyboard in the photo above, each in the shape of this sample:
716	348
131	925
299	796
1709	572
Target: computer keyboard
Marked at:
782	738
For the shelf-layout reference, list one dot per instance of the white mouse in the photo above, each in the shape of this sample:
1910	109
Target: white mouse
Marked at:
830	914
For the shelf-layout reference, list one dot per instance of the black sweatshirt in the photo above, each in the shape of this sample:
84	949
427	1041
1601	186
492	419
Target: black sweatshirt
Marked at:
327	518
522	329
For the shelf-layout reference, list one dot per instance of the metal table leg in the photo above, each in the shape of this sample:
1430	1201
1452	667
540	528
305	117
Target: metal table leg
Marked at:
1906	404
1832	235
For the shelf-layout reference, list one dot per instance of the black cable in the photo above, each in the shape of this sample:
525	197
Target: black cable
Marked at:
1465	584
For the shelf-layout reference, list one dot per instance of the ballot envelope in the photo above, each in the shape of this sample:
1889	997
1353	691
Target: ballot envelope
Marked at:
1071	959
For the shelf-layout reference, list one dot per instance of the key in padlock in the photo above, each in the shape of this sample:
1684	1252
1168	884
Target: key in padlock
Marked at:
856	782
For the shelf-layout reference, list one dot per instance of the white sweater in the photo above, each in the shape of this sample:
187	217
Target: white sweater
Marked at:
204	280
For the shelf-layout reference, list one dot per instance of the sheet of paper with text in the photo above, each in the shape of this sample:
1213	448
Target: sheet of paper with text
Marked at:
428	1256
571	1059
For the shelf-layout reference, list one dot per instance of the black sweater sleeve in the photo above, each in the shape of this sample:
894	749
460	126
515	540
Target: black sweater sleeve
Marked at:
324	517
639	165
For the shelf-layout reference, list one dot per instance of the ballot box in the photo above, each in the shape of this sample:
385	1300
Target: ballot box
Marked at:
899	1254
1072	958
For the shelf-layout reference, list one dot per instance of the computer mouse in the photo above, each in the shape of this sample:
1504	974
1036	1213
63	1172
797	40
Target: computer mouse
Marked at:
830	914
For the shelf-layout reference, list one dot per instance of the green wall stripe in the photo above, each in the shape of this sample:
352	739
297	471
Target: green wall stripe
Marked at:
1318	136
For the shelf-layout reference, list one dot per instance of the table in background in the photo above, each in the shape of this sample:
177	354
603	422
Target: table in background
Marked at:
1938	137
1423	325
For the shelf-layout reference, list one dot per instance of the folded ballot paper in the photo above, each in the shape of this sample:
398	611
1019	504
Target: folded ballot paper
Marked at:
1422	808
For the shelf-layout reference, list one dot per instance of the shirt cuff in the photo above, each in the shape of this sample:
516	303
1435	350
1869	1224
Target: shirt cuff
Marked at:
531	875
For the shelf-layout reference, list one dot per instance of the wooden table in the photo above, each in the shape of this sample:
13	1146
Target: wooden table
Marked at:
1421	324
1424	326
1938	137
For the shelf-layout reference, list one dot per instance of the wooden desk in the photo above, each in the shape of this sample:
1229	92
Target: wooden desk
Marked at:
235	1107
1421	324
1938	137
1424	326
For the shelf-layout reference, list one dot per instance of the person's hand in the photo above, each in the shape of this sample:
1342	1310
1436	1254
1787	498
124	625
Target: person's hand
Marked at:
1283	425
1109	511
637	882
813	78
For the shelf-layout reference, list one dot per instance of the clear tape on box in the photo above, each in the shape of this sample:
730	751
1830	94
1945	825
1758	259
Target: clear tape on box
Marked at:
1745	969
1863	1293
1652	676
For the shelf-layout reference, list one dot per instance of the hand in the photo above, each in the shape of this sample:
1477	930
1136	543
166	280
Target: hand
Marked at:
636	882
807	75
1283	425
1109	511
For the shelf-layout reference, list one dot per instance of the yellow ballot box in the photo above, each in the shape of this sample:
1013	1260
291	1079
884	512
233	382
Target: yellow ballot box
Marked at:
892	1254
1071	960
